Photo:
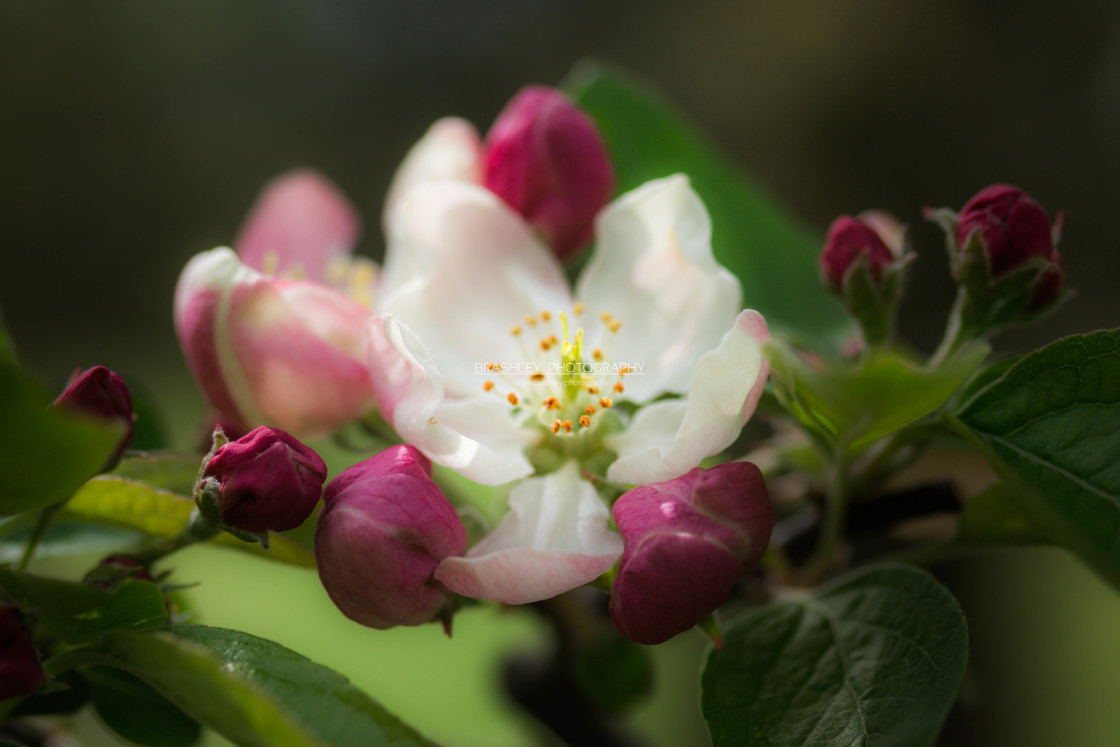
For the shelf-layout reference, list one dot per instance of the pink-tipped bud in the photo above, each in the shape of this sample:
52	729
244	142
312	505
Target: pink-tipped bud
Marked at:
267	481
384	528
102	393
545	158
1012	227
688	542
20	671
849	241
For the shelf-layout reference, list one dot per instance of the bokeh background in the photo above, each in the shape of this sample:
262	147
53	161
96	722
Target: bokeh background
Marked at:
136	134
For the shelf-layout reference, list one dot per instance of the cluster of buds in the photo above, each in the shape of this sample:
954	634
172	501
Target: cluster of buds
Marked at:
264	481
386	527
864	262
100	393
1003	254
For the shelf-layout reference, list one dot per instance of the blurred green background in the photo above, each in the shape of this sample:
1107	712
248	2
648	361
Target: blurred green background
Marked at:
138	133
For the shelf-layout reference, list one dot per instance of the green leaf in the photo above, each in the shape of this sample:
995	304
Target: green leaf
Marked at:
1051	424
168	470
875	658
64	538
858	403
138	713
47	454
78	612
117	501
774	258
252	691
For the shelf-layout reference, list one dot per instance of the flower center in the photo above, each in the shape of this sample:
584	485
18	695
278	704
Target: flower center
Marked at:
562	385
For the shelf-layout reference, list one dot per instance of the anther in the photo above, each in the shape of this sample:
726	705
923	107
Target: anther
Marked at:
578	309
597	354
537	377
531	321
546	316
551	403
585	420
555	426
567	425
590	409
488	386
605	402
515	330
593	389
606	317
512	398
614	326
618	387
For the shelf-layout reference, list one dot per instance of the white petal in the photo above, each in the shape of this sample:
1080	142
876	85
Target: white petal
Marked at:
461	270
410	395
555	537
449	150
666	439
653	270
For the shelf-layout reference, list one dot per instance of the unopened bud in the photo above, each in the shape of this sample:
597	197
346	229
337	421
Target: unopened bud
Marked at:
384	528
688	542
20	671
266	481
103	394
851	240
545	158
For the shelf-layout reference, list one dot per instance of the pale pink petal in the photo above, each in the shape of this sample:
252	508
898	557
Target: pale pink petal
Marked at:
555	537
654	272
410	395
461	270
449	150
299	224
666	439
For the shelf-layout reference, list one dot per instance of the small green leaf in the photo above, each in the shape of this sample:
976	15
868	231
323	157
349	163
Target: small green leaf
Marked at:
1051	424
124	503
875	658
252	691
774	258
858	403
138	713
47	454
167	470
78	613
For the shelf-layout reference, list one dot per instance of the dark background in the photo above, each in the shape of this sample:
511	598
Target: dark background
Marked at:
136	134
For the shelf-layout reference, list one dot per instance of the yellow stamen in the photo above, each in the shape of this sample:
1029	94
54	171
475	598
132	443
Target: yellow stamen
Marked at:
538	377
585	420
531	321
551	403
578	309
618	387
545	345
597	354
614	326
488	386
555	426
512	398
606	317
625	370
493	366
515	330
546	316
592	390
605	402
567	425
590	409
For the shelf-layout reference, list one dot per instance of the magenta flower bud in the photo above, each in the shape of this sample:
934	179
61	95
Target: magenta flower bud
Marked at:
20	671
545	158
849	240
384	528
267	480
688	542
1012	227
102	393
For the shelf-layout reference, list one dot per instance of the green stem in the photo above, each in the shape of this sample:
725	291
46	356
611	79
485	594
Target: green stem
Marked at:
835	517
46	516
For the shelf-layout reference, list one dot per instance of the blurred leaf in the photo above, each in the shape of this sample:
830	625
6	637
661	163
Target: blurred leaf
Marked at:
613	673
168	470
113	500
1051	423
774	258
876	658
250	690
77	612
149	429
47	454
858	403
995	516
138	713
63	694
64	538
7	346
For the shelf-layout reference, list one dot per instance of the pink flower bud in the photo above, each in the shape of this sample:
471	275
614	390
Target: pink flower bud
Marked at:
20	671
268	481
849	240
1012	227
688	542
102	393
384	528
545	158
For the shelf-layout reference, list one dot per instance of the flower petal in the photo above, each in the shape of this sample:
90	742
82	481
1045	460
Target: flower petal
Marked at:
461	270
669	438
449	150
555	537
410	395
300	222
653	270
